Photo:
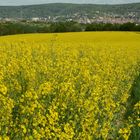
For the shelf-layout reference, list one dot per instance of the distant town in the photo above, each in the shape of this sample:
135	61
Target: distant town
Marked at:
77	17
72	12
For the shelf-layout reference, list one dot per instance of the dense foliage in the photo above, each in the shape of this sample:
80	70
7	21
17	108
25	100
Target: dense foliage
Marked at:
113	27
73	86
41	27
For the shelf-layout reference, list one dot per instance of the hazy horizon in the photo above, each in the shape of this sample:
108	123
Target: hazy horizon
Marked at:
32	2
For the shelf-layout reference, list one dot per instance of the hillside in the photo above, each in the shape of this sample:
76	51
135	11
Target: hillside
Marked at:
66	10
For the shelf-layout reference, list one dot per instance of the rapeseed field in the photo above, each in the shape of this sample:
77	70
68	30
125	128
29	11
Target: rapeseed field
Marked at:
70	86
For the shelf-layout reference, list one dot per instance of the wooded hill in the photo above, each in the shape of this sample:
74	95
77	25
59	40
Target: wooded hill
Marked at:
63	9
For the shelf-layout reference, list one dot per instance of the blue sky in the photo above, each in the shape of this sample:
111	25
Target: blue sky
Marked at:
26	2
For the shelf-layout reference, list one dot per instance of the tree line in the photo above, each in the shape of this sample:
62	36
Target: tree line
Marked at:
11	28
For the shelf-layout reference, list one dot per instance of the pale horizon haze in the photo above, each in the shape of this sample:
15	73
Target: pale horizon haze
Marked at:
31	2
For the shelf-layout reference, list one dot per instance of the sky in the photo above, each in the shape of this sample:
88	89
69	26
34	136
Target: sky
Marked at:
29	2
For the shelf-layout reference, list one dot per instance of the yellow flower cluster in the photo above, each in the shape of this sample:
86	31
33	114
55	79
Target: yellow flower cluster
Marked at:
68	86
